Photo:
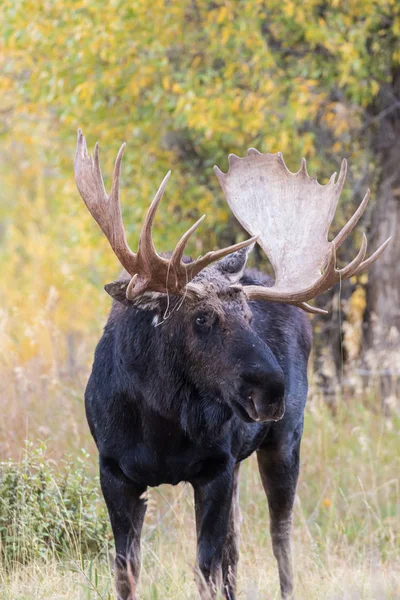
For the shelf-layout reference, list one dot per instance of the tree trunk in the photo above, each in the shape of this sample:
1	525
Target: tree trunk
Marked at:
383	292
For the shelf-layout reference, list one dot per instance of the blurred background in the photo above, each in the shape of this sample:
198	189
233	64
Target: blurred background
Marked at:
184	84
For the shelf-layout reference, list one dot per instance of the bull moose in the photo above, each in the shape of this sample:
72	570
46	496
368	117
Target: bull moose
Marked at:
203	362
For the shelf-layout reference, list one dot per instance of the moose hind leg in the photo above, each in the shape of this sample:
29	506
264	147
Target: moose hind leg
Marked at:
126	509
279	470
230	556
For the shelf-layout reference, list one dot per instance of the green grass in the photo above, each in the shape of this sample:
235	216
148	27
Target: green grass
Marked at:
346	534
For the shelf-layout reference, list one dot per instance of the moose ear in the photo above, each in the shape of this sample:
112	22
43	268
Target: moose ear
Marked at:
233	265
146	301
117	291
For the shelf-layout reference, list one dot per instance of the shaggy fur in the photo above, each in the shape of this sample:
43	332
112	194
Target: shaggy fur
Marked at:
184	390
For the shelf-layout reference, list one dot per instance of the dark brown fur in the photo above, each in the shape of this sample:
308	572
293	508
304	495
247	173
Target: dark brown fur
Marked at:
175	388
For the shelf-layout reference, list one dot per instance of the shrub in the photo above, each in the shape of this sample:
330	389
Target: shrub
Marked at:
47	510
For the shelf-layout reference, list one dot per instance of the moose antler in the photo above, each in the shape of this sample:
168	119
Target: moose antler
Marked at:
149	270
293	212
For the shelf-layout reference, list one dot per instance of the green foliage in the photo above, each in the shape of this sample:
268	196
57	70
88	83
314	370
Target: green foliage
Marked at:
45	512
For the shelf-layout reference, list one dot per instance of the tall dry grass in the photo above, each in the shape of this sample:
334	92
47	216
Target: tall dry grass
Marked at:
346	516
346	532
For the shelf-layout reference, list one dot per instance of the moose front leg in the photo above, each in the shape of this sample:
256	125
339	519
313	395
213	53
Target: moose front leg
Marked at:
279	470
126	508
213	502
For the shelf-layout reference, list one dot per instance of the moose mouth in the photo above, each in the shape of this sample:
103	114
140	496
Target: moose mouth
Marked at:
252	412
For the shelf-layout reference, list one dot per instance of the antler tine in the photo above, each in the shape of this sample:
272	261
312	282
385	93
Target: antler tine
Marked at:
198	265
352	267
371	259
311	309
96	159
81	145
342	176
88	175
303	167
146	245
348	228
181	245
117	171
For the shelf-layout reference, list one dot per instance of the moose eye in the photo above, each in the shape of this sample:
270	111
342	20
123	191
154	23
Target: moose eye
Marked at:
201	320
204	321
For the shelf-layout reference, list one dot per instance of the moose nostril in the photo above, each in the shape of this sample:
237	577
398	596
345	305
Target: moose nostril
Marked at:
256	377
252	409
273	382
276	389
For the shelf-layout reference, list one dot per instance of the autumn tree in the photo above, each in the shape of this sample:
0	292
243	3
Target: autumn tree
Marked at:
185	83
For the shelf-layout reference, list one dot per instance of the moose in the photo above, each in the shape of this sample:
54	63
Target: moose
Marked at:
203	362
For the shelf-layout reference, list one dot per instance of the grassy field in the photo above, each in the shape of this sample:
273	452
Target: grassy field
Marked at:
347	526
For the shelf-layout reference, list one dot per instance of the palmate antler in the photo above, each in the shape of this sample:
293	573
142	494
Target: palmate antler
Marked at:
149	270
292	213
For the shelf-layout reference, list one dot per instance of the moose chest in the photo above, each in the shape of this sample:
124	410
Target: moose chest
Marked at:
169	456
